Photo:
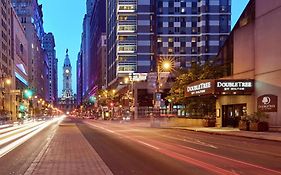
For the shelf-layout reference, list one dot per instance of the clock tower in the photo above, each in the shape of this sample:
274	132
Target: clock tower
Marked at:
67	92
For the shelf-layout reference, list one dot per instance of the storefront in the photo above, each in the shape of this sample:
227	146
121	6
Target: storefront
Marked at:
234	98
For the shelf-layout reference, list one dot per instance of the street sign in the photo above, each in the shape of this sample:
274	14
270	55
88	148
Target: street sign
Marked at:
138	77
151	81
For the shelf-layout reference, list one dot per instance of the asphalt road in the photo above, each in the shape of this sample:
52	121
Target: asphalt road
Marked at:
19	160
131	150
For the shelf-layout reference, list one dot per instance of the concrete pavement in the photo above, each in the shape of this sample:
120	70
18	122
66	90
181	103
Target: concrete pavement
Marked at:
68	153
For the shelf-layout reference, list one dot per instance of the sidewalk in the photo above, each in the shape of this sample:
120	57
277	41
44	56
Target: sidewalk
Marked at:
68	153
272	136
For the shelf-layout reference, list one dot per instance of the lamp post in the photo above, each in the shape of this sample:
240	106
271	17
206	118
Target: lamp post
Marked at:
131	82
163	65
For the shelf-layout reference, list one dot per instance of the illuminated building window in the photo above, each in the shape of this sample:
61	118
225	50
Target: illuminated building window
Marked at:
126	28
171	40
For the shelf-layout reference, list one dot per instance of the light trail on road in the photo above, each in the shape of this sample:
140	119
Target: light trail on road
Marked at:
21	137
211	162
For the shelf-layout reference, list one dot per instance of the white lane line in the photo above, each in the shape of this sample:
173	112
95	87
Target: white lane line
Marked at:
5	150
100	127
122	136
197	142
147	144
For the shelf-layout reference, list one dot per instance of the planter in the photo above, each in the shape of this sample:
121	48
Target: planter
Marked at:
244	125
209	122
259	126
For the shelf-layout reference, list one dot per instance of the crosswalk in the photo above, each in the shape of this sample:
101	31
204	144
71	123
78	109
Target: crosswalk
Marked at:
14	135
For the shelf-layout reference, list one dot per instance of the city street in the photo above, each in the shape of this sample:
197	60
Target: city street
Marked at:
130	150
140	87
124	148
21	144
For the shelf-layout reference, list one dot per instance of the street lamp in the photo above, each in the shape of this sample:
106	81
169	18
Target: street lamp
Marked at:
130	81
8	81
163	65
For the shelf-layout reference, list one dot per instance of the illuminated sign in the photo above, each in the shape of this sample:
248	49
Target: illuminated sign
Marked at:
208	87
237	86
198	88
267	103
138	77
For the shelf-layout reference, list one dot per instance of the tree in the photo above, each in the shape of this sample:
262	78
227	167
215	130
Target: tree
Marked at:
105	97
211	69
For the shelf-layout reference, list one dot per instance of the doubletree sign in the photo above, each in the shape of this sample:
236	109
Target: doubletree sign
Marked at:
267	103
203	87
237	86
208	87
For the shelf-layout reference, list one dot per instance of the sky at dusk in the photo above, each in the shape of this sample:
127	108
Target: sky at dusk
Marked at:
64	19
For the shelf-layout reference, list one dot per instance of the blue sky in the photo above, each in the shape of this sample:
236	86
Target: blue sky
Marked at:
64	19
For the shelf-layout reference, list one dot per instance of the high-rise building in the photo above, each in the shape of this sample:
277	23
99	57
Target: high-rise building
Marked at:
101	53
31	17
55	77
195	31
20	57
141	32
6	59
85	44
49	46
79	83
5	51
97	53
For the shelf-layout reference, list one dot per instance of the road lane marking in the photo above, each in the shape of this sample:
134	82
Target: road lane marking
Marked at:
196	142
198	163
146	144
100	127
230	159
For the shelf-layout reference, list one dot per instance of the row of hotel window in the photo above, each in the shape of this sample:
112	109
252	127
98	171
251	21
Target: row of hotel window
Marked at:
174	10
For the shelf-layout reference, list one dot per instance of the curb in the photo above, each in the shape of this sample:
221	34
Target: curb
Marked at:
226	134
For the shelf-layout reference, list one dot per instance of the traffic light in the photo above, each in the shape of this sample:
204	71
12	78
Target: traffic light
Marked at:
27	93
22	108
93	99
